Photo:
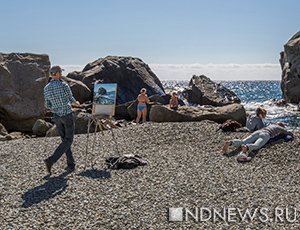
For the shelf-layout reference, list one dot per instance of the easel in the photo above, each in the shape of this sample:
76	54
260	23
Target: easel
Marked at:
103	107
96	119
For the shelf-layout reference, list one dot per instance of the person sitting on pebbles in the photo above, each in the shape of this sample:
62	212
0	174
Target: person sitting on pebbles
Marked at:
257	139
255	121
174	101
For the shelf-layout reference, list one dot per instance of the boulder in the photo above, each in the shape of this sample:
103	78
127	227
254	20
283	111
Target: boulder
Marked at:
203	91
130	74
290	65
79	90
121	111
23	77
163	113
41	127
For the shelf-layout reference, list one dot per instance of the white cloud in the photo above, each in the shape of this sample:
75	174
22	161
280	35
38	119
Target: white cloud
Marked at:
71	68
264	71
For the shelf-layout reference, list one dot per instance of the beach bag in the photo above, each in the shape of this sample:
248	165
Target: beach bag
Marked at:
230	125
125	162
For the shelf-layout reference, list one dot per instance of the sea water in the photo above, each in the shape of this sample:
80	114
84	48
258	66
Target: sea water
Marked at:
254	94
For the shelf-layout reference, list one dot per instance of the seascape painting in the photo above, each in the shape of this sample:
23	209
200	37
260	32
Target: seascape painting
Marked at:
104	94
104	99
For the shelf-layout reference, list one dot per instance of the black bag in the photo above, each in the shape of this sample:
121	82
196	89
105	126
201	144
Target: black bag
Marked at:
125	162
230	125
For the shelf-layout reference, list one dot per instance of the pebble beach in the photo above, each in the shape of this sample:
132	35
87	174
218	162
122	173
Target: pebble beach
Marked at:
186	169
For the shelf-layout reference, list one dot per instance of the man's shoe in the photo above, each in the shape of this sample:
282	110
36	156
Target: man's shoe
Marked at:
70	169
48	166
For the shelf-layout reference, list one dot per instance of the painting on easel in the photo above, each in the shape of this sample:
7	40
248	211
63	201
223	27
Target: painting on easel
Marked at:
104	99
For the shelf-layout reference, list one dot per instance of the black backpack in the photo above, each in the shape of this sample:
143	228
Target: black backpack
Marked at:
230	125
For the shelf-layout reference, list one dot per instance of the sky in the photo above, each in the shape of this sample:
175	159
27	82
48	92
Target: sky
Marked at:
224	40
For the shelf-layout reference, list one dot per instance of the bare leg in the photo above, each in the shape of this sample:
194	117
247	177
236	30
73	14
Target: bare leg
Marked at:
139	113
144	112
226	145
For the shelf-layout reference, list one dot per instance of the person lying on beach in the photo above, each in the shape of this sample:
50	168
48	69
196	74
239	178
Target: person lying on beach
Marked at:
174	101
257	139
255	122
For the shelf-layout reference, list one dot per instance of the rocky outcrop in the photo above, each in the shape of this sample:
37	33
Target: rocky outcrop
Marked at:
203	91
131	74
163	113
23	77
290	65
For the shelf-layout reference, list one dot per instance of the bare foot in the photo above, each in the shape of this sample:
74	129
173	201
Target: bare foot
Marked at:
244	148
226	145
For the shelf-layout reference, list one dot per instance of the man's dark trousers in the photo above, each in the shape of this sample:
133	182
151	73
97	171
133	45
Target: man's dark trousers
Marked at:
65	126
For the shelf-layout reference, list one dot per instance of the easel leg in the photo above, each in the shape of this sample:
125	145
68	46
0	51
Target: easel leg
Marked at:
87	141
111	128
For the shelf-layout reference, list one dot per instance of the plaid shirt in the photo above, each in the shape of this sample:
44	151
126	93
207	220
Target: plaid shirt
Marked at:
58	97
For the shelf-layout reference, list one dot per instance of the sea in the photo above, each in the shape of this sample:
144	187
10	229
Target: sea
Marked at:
254	94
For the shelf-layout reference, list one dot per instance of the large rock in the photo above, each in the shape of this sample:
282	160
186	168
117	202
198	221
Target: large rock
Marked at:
290	65
203	91
131	74
79	90
23	77
163	113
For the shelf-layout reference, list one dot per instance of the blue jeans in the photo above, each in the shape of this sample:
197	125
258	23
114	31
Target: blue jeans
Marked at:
255	141
65	126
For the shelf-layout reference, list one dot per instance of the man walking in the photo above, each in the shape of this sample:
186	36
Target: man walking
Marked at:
58	98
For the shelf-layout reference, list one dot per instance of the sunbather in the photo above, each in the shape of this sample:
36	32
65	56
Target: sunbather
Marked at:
258	139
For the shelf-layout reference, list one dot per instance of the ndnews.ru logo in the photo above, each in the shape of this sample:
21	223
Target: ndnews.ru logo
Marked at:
233	214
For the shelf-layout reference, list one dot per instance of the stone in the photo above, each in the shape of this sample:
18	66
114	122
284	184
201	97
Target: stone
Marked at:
79	90
41	127
163	113
23	77
121	111
290	65
203	91
131	75
52	132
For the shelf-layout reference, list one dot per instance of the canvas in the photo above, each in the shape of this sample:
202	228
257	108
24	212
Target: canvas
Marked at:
104	99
